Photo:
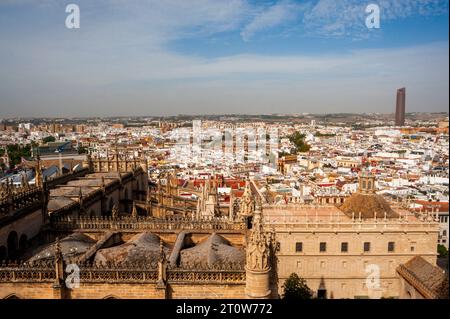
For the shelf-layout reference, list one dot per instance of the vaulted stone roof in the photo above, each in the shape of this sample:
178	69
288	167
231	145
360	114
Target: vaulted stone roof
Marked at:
212	251
431	277
143	247
73	245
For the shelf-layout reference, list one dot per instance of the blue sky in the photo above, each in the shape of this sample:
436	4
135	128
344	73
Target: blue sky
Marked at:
169	57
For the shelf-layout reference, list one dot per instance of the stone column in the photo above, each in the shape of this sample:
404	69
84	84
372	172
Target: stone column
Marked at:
161	285
257	284
59	288
258	252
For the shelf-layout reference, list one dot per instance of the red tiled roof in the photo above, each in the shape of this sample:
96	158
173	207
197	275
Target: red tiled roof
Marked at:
429	206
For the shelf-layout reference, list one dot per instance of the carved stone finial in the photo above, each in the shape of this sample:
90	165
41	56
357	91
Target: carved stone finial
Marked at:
258	249
58	253
247	202
8	188
59	263
115	212
24	181
162	255
39	181
134	213
162	266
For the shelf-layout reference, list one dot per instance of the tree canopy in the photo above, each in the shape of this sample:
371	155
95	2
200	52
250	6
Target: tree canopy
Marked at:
47	139
442	251
295	288
16	152
298	140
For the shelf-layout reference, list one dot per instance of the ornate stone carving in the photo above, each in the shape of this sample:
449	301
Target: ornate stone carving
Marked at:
259	245
162	265
247	202
134	213
59	263
115	212
39	182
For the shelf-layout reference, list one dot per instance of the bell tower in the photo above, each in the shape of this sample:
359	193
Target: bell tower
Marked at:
366	183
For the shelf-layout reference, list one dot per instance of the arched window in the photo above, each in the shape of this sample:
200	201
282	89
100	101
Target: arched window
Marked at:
23	242
111	204
3	253
12	243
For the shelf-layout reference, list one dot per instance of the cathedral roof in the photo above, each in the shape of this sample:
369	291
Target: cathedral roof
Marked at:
56	203
432	277
71	246
367	204
212	251
143	247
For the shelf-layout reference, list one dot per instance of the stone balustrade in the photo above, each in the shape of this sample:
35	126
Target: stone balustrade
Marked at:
122	273
140	223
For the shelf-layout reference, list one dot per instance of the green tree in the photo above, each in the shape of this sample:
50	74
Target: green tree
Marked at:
16	152
298	140
442	251
295	288
82	150
47	139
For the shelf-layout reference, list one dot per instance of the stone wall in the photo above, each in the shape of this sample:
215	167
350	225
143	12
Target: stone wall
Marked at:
125	291
344	273
28	225
206	291
27	290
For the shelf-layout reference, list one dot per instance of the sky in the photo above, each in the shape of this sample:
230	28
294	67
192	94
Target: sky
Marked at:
168	57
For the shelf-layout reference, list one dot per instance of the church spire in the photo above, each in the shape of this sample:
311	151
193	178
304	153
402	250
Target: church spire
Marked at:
39	179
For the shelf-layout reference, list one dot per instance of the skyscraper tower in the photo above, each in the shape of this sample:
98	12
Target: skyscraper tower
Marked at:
400	108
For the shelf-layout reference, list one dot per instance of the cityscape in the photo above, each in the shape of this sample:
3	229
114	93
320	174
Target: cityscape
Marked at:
333	190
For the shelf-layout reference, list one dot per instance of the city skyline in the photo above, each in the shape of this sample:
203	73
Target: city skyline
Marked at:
210	57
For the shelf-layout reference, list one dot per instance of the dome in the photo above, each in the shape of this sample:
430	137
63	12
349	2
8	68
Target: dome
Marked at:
367	205
212	251
143	247
73	245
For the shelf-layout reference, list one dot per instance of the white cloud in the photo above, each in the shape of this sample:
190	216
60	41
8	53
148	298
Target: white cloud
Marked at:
374	63
278	14
120	60
341	18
